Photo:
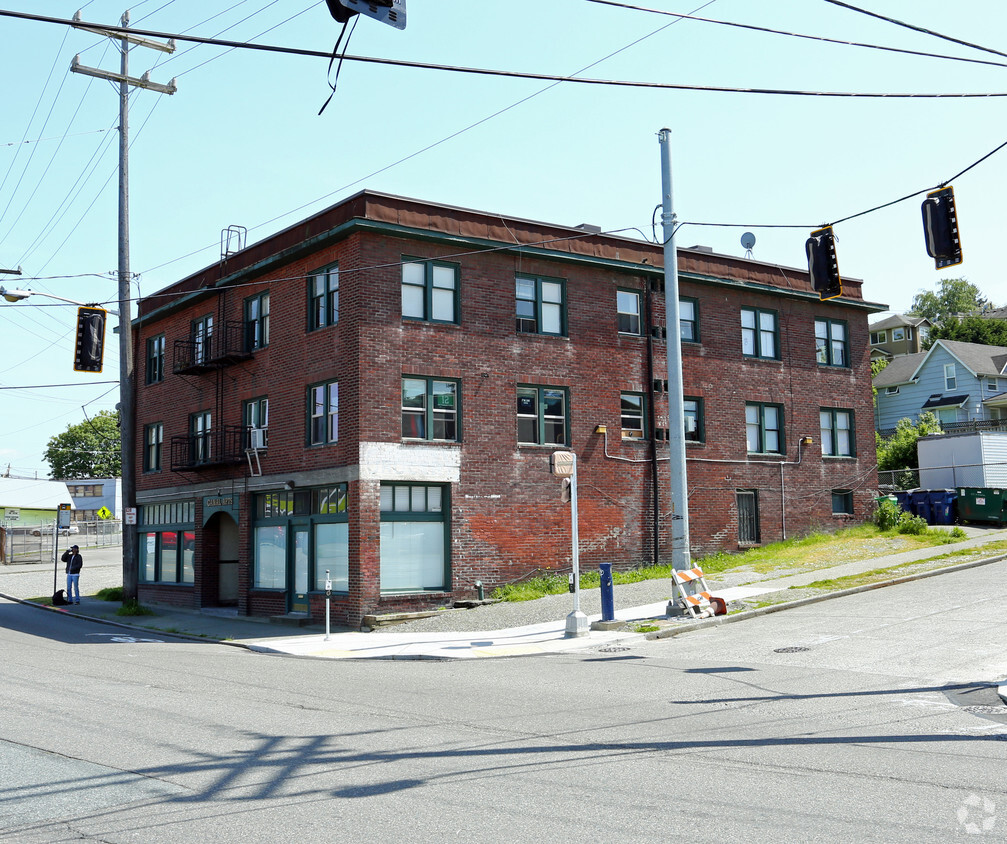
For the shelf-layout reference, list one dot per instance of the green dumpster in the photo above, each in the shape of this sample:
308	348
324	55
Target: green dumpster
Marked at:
982	504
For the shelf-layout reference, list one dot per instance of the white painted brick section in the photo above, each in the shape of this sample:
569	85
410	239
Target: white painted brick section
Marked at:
403	462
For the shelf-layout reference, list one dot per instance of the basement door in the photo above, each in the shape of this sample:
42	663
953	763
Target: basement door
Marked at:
748	517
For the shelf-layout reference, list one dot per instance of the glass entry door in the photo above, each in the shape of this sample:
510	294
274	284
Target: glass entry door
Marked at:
298	594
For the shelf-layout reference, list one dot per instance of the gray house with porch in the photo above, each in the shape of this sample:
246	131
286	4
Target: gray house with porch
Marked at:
964	384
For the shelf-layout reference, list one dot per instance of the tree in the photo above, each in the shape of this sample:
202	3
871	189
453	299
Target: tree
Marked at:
955	297
899	450
89	449
971	329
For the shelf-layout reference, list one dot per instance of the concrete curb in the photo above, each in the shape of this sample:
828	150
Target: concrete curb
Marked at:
207	640
803	602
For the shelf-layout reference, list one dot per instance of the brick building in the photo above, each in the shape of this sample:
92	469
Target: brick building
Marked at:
376	390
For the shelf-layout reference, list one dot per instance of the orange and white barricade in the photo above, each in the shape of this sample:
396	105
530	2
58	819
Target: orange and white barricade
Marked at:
693	595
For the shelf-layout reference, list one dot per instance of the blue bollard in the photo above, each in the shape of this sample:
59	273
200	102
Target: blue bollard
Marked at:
607	596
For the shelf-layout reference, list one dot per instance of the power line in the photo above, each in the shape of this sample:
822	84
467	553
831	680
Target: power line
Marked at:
820	38
546	77
916	28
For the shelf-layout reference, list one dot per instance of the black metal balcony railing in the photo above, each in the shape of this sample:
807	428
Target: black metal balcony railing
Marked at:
214	448
226	345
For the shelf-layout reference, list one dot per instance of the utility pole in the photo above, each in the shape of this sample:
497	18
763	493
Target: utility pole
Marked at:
679	531
127	381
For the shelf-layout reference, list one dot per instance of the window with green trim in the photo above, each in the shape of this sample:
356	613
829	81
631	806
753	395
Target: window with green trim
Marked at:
257	322
153	441
694	422
764	428
323	298
688	319
541	415
541	305
430	291
430	409
155	359
629	311
255	414
760	334
837	432
831	346
414	538
323	413
842	502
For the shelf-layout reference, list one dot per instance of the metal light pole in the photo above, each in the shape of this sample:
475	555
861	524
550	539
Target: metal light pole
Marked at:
679	531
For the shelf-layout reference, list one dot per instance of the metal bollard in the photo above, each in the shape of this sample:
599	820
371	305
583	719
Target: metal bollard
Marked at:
607	596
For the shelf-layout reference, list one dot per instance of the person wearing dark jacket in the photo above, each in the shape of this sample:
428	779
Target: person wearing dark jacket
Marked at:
74	562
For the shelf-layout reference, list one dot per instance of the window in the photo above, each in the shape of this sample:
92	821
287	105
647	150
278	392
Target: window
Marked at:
837	432
878	337
830	342
992	385
909	334
153	437
693	409
628	307
541	305
898	335
688	319
633	427
842	502
414	538
323	410
155	359
541	416
758	333
748	516
764	428
923	333
167	542
255	414
202	339
950	381
257	322
429	409
323	298
430	291
199	430
892	391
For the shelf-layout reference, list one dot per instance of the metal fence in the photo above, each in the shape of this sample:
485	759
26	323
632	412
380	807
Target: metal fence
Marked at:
988	474
35	543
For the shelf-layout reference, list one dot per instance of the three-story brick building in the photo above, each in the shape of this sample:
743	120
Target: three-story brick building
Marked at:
374	393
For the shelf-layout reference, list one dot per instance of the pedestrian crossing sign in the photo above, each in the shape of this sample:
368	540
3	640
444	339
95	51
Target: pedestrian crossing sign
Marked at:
104	513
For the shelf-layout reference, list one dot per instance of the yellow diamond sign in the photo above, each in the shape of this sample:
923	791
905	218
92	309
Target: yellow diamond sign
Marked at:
104	513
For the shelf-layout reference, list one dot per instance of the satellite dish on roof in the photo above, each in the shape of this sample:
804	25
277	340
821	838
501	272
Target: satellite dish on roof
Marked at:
748	241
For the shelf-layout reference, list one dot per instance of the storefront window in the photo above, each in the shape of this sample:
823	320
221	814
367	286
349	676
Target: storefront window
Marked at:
271	557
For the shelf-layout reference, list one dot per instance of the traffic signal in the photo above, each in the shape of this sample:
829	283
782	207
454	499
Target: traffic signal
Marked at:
823	267
392	12
940	226
90	346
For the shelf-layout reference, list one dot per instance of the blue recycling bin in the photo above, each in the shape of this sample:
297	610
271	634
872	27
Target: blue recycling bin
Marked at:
942	506
919	504
902	498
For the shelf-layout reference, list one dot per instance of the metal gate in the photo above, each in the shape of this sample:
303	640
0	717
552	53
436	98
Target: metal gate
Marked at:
748	517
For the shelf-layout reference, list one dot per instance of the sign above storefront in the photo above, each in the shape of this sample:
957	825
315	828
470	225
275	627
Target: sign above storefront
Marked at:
213	504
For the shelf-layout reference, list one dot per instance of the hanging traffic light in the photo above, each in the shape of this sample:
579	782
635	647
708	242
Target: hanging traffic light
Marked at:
392	12
940	227
823	266
90	346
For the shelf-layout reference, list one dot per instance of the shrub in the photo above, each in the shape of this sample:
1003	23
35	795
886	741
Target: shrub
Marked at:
888	515
915	525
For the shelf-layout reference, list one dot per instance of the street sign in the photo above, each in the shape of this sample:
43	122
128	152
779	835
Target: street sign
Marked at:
13	514
104	513
129	515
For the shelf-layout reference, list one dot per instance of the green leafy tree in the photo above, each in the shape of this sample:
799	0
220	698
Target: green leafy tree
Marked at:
90	449
899	450
955	296
971	329
876	366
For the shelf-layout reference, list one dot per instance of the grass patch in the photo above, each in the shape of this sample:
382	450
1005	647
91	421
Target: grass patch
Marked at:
133	608
44	600
645	628
806	553
113	593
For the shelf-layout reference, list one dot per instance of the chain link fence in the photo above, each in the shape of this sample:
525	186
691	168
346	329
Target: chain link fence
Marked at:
21	544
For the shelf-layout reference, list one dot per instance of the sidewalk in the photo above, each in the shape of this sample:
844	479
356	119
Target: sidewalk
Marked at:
498	630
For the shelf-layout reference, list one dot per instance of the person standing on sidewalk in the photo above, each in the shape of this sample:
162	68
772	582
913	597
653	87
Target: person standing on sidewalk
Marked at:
74	562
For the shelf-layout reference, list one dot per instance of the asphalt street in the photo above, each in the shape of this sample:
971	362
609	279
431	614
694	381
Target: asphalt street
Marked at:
872	717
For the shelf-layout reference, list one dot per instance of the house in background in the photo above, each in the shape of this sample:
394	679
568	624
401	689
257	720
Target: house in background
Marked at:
91	495
898	335
964	384
30	503
373	395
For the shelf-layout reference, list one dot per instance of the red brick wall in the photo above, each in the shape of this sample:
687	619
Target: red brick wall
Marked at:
506	517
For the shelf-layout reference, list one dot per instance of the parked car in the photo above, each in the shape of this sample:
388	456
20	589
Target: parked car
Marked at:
73	530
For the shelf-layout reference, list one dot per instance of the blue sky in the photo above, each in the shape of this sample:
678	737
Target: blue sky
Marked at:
242	143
